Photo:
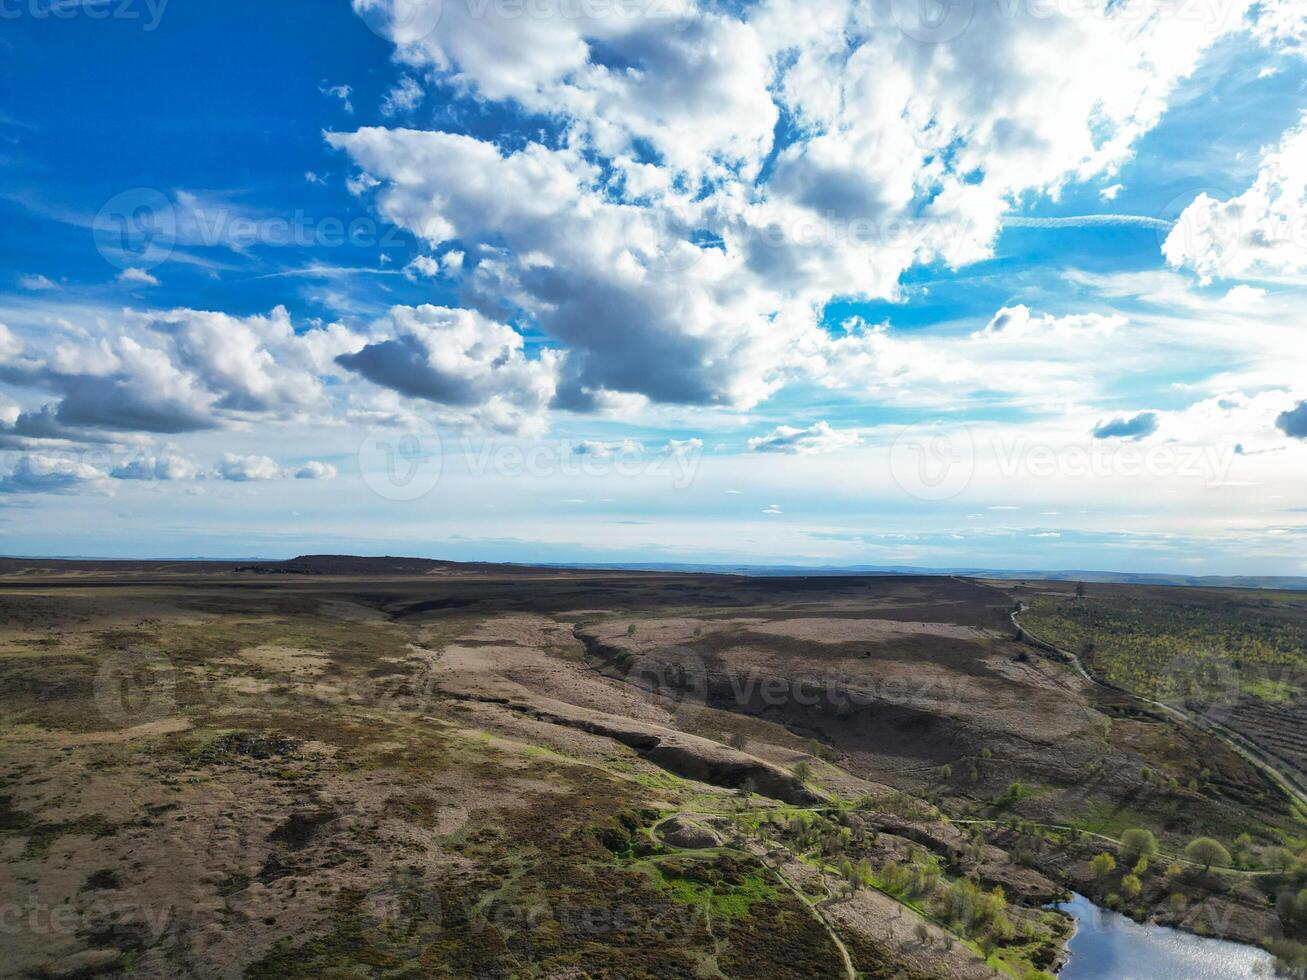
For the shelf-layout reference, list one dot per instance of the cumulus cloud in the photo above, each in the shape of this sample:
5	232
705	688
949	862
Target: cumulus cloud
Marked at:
10	346
1136	427
36	283
1293	423
672	245
39	473
138	276
1244	297
817	438
1282	23
461	359
314	470
1016	323
423	266
180	371
405	96
166	467
603	450
246	469
683	447
1262	231
117	385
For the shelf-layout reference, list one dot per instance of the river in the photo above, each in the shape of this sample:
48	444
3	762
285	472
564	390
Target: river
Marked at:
1109	946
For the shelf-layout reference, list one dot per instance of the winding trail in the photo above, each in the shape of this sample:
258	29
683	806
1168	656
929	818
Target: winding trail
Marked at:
1238	743
814	908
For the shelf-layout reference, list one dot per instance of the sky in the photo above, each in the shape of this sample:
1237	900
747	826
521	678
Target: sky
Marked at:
984	283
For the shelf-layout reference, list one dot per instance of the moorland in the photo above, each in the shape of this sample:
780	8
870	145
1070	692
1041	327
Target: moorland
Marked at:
403	768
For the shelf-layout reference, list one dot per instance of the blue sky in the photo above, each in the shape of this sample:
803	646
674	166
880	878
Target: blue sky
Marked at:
655	281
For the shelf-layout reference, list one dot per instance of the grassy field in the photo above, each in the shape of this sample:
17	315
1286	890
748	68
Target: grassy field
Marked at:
1238	657
1179	644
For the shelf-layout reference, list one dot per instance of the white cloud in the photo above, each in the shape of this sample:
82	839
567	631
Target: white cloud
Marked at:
1244	297
166	467
404	97
181	370
244	469
39	473
683	447
1262	231
36	283
138	276
10	346
652	245
314	470
423	266
342	92
1110	192
1282	23
604	450
817	438
460	359
1015	323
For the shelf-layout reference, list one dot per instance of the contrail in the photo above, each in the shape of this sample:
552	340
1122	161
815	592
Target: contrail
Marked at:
1086	221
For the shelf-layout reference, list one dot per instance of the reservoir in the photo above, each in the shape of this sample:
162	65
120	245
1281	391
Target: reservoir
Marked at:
1109	946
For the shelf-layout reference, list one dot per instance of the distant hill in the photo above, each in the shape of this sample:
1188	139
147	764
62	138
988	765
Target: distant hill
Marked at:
391	565
1286	582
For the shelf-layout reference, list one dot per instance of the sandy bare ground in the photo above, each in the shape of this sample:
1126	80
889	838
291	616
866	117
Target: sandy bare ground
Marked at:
815	630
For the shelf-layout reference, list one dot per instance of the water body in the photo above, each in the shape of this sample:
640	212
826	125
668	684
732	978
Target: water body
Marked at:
1109	946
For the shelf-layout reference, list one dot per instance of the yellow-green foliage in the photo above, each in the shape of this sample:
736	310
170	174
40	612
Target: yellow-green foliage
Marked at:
1179	644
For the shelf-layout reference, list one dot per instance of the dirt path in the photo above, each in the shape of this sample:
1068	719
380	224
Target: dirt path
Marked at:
813	908
815	911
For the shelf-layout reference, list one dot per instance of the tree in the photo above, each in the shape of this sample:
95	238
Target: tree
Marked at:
1132	886
738	741
1136	844
802	771
1080	590
1102	865
1207	851
1280	859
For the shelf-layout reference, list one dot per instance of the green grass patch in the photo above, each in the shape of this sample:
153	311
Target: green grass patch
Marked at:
725	886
